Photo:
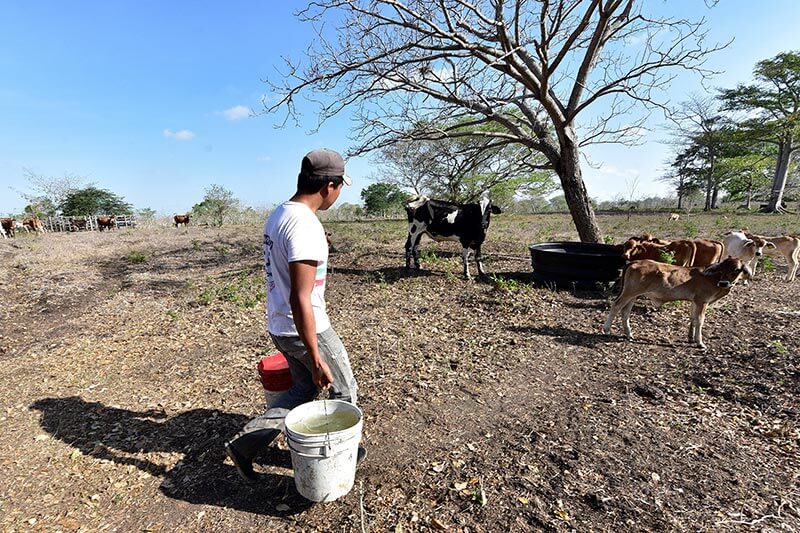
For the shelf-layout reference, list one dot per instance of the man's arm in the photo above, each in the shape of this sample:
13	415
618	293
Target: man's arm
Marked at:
303	275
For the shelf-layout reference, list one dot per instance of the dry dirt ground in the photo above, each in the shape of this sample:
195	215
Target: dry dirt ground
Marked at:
128	358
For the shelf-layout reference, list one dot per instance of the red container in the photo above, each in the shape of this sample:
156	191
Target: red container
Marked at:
274	372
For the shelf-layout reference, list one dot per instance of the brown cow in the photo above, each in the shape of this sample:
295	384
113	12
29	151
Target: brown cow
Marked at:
667	283
78	224
788	246
34	224
106	222
182	219
682	252
9	226
707	252
648	237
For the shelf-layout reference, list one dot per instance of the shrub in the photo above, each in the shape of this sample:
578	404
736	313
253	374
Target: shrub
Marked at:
692	231
666	256
136	257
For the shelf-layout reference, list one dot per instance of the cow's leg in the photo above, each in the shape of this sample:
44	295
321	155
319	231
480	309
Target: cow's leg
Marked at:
408	251
621	303
793	261
412	247
415	250
626	318
479	262
465	253
611	314
696	327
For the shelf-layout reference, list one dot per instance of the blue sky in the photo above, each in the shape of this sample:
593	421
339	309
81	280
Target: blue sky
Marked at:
149	98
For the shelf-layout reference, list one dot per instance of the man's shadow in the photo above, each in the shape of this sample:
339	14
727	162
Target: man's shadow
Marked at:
200	476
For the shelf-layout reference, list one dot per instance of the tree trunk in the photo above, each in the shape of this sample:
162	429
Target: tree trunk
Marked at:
568	169
710	184
709	187
779	181
715	196
749	201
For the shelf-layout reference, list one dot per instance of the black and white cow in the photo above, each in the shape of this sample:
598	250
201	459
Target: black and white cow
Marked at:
448	221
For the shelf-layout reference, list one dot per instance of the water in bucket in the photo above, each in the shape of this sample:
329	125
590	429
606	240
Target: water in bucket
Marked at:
323	438
326	423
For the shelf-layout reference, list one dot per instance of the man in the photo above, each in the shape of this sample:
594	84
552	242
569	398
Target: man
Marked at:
296	257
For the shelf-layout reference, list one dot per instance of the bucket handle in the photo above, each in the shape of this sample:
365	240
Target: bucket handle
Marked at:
326	450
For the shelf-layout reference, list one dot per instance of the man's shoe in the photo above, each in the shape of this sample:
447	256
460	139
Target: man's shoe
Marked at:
362	454
243	465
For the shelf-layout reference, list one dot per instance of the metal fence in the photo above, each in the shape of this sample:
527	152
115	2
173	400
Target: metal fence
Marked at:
89	223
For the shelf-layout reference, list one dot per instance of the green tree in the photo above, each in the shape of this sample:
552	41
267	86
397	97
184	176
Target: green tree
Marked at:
383	197
684	175
771	108
217	204
93	201
41	206
146	214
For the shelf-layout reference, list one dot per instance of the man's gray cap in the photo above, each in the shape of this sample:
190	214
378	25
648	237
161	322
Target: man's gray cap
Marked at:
325	162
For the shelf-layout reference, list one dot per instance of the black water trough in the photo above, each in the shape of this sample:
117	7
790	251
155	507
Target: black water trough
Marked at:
575	264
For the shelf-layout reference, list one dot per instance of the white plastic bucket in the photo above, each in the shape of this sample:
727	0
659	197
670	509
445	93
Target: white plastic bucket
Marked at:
324	463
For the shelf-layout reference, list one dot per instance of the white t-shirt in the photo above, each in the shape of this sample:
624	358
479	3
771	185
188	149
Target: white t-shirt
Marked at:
293	233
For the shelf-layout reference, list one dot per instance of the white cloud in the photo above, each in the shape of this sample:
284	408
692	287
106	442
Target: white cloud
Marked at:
237	112
264	158
182	135
616	172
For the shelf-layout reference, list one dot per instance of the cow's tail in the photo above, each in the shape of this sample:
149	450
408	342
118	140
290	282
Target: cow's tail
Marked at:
622	279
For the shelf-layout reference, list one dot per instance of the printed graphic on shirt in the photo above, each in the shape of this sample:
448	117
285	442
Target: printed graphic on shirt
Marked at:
268	263
322	273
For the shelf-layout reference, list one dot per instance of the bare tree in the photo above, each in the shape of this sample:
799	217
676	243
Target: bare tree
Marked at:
404	165
461	169
53	190
534	67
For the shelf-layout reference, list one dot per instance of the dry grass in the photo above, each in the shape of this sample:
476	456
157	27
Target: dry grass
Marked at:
129	358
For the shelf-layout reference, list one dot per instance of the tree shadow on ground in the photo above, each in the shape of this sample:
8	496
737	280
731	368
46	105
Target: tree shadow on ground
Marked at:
201	477
383	275
565	335
184	261
582	338
519	277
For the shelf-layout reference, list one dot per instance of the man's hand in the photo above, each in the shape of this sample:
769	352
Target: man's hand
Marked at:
321	374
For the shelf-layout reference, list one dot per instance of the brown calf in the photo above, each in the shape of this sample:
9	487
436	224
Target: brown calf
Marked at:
648	237
707	252
181	219
682	251
9	226
788	246
106	222
667	283
34	224
78	224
